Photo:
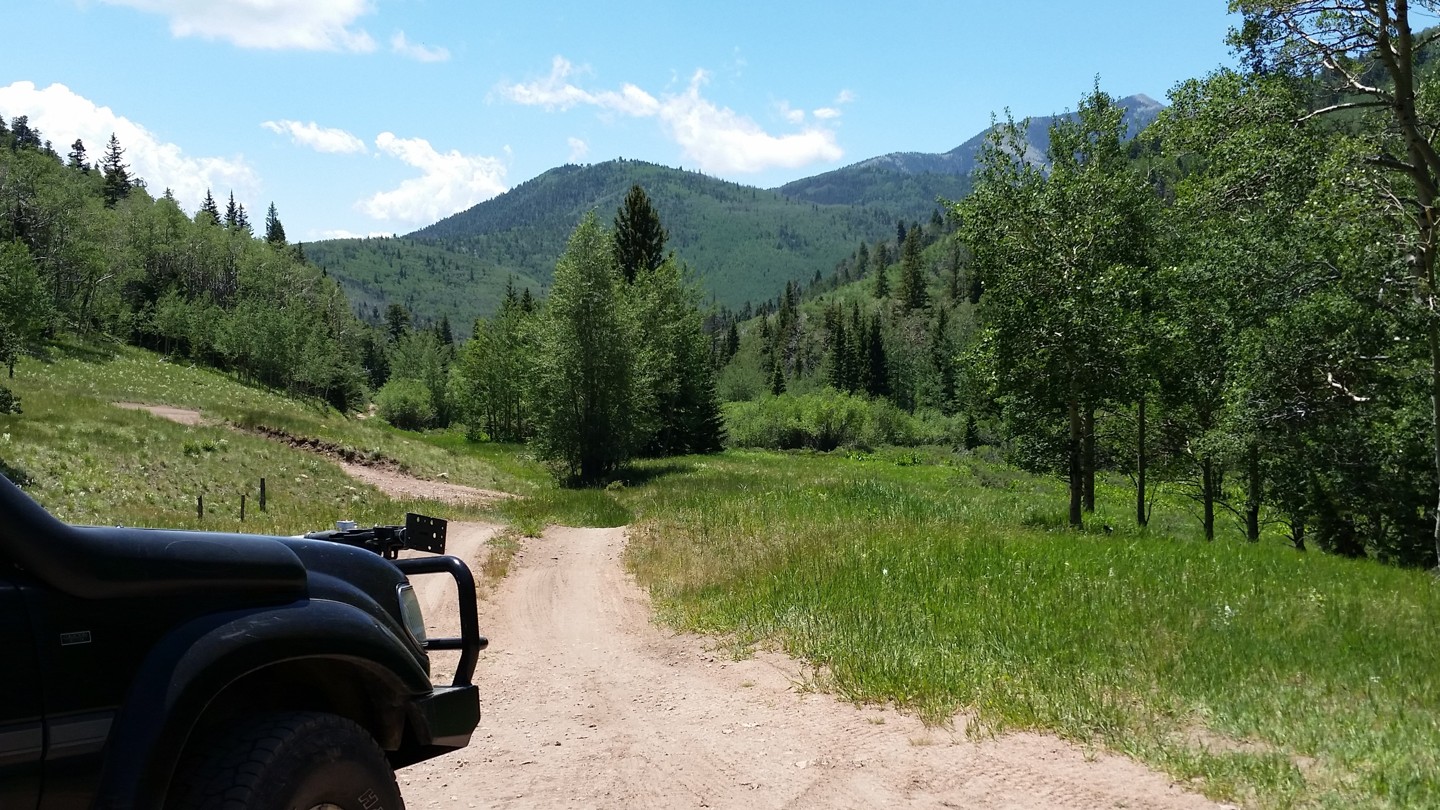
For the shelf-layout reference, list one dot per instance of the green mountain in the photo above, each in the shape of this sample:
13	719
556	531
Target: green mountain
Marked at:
908	183
430	280
743	243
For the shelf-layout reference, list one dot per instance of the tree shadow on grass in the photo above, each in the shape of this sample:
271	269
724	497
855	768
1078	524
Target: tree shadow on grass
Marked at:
644	474
17	476
51	353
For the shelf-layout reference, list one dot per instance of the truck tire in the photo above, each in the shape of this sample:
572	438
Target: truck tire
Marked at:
288	761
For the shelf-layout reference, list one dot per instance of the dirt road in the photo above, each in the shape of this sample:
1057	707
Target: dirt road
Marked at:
587	704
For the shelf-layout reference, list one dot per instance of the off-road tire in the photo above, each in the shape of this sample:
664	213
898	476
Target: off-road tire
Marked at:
288	761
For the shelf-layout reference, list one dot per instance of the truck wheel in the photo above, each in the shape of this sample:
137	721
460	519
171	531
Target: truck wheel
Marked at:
288	761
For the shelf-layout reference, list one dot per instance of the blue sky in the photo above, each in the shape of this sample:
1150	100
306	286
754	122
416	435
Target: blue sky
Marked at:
381	116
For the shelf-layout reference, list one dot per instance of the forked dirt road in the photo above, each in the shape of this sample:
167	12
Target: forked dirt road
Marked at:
588	704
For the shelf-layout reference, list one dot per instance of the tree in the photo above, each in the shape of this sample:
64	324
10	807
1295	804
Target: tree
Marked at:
209	209
584	392
274	231
1059	251
117	173
1372	54
879	262
78	158
913	294
639	237
397	321
676	407
232	213
877	367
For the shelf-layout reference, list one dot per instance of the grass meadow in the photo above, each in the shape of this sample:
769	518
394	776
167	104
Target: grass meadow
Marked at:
943	583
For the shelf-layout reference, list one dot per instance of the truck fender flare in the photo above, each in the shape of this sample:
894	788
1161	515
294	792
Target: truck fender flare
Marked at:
194	663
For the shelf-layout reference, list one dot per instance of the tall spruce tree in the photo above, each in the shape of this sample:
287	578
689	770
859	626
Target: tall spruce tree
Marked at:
117	173
274	231
639	236
209	209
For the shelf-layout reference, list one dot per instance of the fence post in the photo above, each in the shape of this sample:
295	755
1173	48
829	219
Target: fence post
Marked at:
242	507
262	494
200	507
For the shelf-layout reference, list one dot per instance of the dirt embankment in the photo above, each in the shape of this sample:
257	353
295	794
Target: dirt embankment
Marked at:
588	704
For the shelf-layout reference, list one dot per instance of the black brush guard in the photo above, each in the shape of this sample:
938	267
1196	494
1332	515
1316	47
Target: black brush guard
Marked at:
421	533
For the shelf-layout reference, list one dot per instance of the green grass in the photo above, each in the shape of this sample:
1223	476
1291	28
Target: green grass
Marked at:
1273	677
938	582
90	462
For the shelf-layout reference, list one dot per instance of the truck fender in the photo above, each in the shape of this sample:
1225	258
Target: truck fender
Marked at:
197	661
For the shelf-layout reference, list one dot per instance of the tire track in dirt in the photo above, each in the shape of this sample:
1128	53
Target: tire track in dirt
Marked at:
588	704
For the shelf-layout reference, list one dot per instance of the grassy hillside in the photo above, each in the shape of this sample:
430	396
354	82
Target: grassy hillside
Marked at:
742	243
91	462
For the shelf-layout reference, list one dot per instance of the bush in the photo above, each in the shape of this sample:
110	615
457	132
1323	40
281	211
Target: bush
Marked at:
406	404
9	403
828	419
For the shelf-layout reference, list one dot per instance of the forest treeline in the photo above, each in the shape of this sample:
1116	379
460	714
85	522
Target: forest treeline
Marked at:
86	249
1238	303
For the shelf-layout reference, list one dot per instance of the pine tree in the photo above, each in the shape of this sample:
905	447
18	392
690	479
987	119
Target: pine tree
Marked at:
208	206
232	213
879	262
117	174
639	237
913	294
877	372
242	221
78	158
838	370
777	377
397	321
274	231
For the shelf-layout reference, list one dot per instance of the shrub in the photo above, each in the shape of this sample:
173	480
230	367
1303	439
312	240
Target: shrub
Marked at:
828	419
406	404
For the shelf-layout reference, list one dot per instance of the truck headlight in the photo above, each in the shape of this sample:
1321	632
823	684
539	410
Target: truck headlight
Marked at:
411	613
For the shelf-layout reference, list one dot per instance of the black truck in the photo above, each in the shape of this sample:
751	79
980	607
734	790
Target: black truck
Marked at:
169	670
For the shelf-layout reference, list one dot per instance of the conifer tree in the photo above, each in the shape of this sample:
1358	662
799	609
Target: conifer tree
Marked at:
639	237
232	213
777	377
77	156
274	231
208	206
913	294
877	371
117	174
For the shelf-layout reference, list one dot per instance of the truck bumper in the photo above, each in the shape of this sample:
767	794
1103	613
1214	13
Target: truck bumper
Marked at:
446	717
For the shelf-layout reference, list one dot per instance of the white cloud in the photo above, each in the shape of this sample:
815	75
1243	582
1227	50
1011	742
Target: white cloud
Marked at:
555	93
321	139
826	113
448	182
725	141
845	97
578	150
311	25
790	114
421	53
62	116
718	138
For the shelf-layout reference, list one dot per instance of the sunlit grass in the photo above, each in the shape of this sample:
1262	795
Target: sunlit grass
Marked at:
90	462
947	584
